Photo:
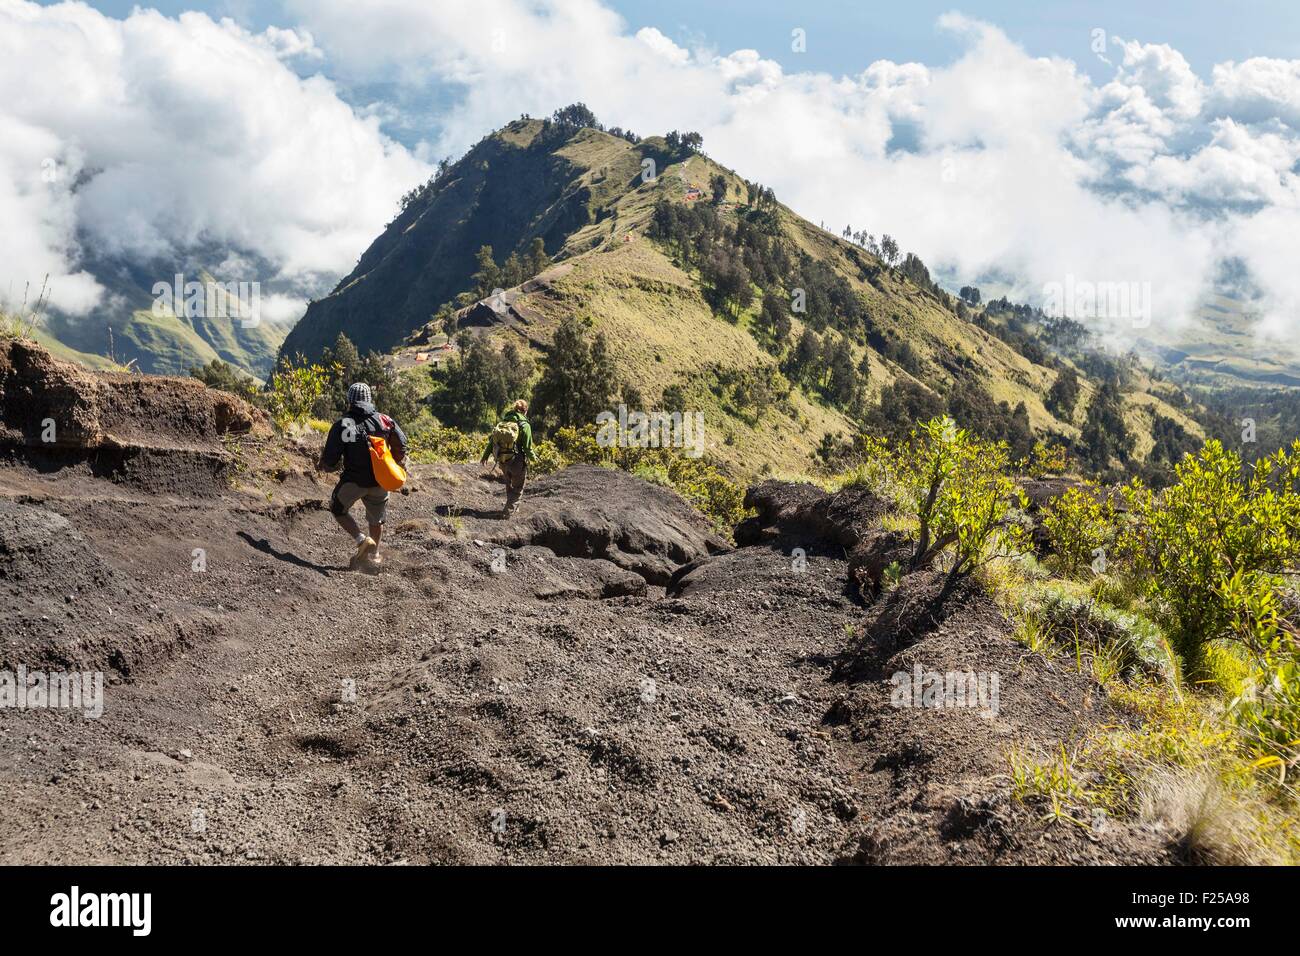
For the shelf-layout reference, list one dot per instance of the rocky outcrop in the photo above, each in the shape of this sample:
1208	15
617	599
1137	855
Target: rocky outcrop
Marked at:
805	510
590	512
155	432
847	522
48	403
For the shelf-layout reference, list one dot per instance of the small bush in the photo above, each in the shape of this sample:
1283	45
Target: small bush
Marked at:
1079	525
1130	644
224	376
1268	713
1211	823
965	502
548	460
874	472
293	390
720	499
1046	459
437	444
1211	549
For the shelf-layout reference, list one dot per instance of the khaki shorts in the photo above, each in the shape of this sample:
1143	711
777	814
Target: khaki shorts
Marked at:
348	493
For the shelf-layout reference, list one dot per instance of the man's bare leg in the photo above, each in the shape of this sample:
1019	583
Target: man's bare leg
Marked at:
349	524
375	531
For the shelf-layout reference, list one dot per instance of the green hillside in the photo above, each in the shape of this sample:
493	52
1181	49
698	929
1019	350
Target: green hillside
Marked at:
1222	350
513	186
887	334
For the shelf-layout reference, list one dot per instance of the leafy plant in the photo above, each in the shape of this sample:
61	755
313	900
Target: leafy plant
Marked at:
224	376
446	444
964	500
1212	547
875	471
1046	459
1078	523
1268	713
1055	782
293	389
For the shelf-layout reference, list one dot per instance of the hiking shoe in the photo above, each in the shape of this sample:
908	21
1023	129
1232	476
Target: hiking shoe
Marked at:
364	549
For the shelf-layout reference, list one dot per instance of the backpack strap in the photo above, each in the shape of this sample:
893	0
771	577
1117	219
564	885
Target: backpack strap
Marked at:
361	423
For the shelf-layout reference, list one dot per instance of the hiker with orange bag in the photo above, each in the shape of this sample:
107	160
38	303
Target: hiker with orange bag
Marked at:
372	448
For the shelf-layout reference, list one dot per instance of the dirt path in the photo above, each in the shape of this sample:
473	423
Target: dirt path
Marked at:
600	679
558	709
483	715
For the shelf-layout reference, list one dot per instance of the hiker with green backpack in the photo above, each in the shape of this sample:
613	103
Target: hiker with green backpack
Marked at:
511	444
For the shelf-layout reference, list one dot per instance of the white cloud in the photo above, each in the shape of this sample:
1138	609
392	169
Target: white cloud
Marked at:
37	209
291	44
1257	90
663	46
1240	165
174	134
1163	74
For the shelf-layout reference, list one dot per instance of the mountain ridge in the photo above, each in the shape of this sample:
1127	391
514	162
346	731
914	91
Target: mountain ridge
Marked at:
597	202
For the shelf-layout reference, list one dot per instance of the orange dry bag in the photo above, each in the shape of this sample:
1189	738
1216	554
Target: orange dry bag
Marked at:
390	475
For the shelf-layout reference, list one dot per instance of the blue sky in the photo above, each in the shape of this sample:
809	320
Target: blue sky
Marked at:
846	36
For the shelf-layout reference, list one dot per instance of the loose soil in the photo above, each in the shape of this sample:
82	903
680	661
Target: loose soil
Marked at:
599	679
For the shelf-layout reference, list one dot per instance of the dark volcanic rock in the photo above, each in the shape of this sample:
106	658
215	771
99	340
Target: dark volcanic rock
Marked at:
96	410
805	511
844	523
159	433
590	512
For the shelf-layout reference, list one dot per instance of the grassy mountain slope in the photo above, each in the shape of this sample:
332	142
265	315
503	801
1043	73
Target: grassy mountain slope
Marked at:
511	187
1222	350
662	332
56	348
583	192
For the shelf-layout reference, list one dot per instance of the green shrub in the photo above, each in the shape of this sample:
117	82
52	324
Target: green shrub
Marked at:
294	388
1133	644
1079	523
964	501
548	458
224	376
654	473
437	444
1268	713
875	470
1211	548
720	499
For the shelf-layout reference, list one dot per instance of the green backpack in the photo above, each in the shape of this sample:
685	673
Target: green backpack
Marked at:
504	438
